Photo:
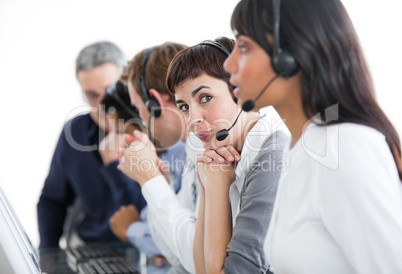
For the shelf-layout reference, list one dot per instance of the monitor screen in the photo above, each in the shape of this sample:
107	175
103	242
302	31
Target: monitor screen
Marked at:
17	255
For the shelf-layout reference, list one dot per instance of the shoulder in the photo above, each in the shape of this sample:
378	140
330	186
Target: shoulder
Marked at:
359	136
364	148
345	142
358	142
79	130
351	156
79	122
268	165
177	150
273	146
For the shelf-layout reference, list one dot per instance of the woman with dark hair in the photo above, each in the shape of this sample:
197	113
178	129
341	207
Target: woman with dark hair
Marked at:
237	190
338	207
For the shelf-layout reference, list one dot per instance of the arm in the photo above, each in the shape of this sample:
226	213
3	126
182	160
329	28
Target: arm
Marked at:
123	190
198	250
360	203
127	225
172	222
257	197
139	235
216	179
56	196
245	250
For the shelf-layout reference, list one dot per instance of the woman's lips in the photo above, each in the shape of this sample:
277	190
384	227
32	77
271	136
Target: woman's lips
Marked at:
203	135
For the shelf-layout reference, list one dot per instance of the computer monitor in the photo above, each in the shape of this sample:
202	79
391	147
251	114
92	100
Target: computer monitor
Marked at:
17	255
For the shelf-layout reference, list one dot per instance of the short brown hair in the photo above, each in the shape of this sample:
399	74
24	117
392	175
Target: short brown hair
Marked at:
155	68
199	59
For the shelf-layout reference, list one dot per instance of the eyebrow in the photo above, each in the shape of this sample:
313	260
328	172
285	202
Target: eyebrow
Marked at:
193	94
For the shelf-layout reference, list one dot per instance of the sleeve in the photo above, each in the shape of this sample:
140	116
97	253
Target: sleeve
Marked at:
246	248
139	235
360	203
56	196
124	190
172	225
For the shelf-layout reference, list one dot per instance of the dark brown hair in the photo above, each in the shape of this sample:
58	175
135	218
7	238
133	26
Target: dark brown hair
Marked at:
322	39
155	68
199	59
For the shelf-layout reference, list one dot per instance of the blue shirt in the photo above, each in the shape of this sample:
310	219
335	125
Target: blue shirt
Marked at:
77	171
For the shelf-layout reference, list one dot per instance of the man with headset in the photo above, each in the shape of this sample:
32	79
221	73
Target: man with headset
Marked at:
171	216
80	171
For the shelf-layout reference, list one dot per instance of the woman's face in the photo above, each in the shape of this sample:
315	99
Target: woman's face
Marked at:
250	69
208	106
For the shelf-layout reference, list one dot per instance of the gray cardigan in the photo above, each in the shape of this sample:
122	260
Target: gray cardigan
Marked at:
246	248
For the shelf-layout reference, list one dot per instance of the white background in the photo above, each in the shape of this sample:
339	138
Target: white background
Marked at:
39	41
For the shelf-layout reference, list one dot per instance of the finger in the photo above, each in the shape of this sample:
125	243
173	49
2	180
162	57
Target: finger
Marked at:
203	158
229	153
214	156
128	138
143	138
225	153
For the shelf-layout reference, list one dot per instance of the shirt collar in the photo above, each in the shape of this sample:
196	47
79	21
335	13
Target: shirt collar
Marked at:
254	141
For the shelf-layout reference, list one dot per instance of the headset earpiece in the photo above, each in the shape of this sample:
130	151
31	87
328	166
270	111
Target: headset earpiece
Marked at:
151	103
284	63
153	107
282	60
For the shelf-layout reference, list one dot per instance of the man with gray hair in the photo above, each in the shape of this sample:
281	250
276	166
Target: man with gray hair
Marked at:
80	170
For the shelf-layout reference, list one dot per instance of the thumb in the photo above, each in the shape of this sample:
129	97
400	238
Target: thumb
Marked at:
128	138
140	136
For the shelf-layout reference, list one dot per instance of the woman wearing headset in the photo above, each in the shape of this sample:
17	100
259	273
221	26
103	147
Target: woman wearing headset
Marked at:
238	189
339	201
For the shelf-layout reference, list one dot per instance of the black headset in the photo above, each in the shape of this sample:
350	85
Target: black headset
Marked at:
151	103
282	60
217	45
112	92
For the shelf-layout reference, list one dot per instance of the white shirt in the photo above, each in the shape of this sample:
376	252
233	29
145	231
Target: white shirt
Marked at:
171	217
338	207
270	122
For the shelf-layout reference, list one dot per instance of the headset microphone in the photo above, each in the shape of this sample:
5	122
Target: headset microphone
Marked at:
223	133
249	104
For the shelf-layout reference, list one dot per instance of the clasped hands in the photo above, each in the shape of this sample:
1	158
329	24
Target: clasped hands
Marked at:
217	165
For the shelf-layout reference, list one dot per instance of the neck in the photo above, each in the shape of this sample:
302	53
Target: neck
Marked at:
247	121
295	120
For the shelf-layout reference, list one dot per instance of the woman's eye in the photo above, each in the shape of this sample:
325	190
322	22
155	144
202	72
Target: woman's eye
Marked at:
183	108
243	49
205	98
242	46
